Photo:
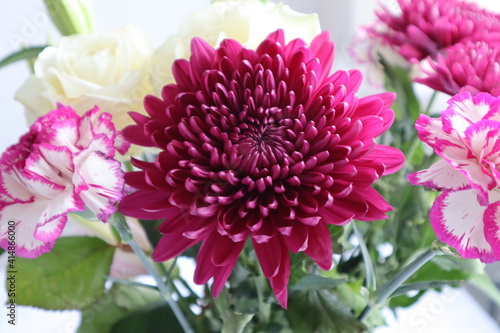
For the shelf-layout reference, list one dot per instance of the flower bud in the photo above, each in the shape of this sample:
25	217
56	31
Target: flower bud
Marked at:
71	17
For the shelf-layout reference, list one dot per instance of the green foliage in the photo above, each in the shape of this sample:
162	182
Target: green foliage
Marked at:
317	282
153	318
321	311
71	276
115	304
24	54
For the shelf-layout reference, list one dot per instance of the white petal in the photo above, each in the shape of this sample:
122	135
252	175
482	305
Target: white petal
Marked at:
463	160
59	205
52	163
26	217
458	220
440	175
51	230
12	186
105	180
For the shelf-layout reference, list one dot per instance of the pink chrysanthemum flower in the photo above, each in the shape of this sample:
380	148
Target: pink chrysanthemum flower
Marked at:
262	144
468	66
64	163
467	136
422	28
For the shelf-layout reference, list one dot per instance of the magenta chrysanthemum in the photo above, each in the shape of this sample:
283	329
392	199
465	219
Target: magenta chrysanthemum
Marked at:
423	28
262	144
64	163
468	66
467	136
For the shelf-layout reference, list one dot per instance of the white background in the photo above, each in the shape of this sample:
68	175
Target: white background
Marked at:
25	21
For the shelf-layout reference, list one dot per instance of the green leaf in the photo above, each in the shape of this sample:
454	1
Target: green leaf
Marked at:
371	283
232	322
152	318
24	54
71	276
336	233
317	282
442	268
115	304
235	322
419	286
321	311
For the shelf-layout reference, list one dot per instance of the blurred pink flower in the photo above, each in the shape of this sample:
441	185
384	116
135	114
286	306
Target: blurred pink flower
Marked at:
468	66
467	136
423	28
262	144
63	164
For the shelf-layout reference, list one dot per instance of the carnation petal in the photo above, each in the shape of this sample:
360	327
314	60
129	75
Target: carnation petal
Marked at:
11	186
440	175
51	230
492	228
458	220
458	157
50	161
104	178
429	129
27	246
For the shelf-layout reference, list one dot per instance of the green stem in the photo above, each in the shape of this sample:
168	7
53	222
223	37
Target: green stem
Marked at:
415	142
388	288
122	227
431	101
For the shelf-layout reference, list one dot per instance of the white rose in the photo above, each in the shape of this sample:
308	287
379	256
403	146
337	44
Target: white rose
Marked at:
247	21
104	69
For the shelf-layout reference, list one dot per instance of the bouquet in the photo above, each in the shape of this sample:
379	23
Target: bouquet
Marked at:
303	206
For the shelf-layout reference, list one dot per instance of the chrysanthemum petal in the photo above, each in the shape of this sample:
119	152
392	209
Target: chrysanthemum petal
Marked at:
262	143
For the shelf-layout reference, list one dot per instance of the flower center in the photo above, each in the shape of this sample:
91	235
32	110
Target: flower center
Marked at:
261	145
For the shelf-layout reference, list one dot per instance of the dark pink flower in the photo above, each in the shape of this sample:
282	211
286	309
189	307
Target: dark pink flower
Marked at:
468	66
262	144
64	163
422	28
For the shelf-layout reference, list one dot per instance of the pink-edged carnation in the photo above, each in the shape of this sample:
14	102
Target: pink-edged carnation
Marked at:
422	28
264	145
63	164
468	66
467	136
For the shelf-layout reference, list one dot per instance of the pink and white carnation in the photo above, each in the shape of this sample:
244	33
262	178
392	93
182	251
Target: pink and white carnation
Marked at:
467	136
63	164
